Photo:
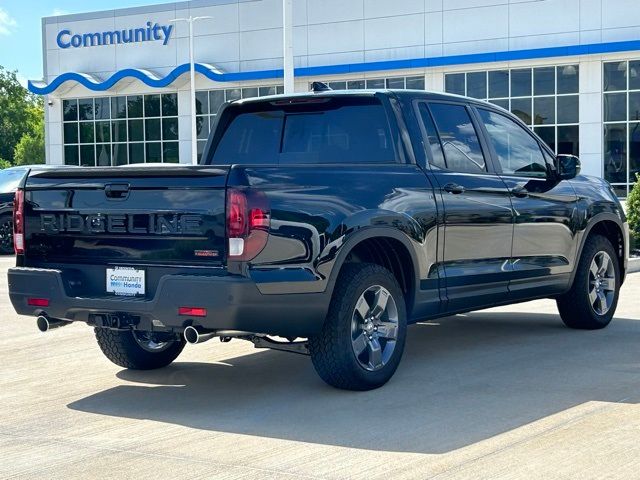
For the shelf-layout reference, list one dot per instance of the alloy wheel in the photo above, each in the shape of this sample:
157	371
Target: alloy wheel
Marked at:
602	283
374	328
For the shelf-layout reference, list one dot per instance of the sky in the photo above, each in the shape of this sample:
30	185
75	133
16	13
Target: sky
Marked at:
21	28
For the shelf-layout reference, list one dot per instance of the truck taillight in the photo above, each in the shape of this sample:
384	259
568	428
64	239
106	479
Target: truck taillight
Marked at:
192	311
236	214
248	221
18	222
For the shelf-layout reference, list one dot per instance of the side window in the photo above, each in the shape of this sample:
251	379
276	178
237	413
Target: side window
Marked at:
460	142
518	152
432	140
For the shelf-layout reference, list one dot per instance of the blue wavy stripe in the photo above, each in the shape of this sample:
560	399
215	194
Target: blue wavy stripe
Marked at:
571	50
149	80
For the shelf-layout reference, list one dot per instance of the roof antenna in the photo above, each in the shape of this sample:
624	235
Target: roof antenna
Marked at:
317	87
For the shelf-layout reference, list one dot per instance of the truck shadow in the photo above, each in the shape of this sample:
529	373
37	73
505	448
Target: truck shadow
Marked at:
462	380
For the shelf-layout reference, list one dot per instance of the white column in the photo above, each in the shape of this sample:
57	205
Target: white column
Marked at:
434	81
287	22
591	117
192	64
53	131
186	110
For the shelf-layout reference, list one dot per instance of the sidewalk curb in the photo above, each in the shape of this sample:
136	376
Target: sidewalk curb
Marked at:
634	265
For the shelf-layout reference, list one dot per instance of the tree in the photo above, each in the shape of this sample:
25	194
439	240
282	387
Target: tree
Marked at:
30	148
20	113
4	164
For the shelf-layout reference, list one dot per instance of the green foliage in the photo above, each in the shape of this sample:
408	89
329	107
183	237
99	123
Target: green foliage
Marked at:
4	164
30	148
21	113
633	213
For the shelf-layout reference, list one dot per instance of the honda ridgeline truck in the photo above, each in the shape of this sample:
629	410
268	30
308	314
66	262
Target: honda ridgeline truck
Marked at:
320	223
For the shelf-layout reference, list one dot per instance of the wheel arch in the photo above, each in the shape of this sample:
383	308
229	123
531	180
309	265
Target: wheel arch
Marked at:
611	227
388	248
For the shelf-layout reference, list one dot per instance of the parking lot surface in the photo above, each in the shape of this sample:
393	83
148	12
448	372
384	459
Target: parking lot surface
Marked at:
504	393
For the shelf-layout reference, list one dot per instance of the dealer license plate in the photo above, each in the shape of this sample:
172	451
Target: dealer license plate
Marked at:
125	281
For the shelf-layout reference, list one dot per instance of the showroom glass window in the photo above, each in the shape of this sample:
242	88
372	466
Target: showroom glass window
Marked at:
621	112
544	98
208	102
121	130
397	83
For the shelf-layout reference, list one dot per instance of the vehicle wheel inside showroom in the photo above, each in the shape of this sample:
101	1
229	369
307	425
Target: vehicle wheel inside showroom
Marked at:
363	337
138	350
592	300
6	235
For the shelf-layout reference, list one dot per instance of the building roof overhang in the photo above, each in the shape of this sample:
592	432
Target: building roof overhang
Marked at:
212	73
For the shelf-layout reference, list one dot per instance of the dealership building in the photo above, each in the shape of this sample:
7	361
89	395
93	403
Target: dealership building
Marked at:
117	83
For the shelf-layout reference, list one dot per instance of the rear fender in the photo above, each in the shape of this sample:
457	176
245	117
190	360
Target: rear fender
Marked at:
344	246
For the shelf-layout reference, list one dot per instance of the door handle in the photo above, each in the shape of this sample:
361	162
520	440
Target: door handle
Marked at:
519	191
453	188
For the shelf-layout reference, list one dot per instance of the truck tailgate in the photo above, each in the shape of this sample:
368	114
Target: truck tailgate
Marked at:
147	215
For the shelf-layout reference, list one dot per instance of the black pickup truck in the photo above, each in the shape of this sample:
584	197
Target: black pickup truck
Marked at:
320	223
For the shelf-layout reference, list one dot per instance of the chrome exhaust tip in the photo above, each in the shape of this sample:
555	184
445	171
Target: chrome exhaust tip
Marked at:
193	336
45	324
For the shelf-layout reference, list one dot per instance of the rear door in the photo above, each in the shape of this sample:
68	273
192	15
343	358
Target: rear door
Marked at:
478	219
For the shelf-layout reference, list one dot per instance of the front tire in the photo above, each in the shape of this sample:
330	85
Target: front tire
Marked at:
593	298
137	350
363	337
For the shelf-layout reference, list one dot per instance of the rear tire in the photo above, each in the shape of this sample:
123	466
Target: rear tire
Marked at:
593	298
363	337
137	350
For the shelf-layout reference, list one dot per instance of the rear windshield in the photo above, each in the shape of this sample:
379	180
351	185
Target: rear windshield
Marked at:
326	130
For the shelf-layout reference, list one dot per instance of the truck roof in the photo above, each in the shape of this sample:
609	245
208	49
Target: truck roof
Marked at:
361	93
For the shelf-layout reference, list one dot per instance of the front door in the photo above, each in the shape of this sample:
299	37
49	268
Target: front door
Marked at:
545	210
478	218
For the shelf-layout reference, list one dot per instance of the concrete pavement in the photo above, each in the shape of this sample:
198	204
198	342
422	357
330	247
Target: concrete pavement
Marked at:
503	393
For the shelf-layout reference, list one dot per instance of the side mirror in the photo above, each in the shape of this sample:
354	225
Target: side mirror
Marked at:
567	166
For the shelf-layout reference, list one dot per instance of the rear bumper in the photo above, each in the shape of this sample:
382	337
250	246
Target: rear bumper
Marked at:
232	302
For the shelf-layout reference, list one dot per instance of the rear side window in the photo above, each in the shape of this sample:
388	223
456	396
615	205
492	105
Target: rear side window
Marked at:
327	130
459	139
437	157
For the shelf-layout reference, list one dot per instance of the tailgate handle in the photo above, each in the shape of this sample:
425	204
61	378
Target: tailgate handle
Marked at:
117	191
